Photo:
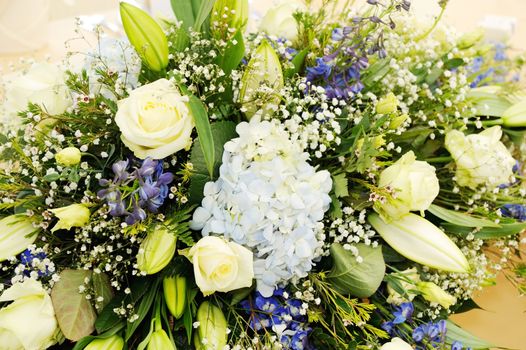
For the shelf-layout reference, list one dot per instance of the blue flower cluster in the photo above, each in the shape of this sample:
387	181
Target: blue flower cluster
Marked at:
516	211
149	184
27	258
490	75
431	333
280	315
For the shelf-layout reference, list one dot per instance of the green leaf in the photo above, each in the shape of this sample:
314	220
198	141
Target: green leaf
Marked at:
454	63
51	177
460	219
75	315
233	55
240	294
504	230
455	333
203	13
340	185
143	309
298	62
102	288
82	343
222	132
184	11
351	277
204	131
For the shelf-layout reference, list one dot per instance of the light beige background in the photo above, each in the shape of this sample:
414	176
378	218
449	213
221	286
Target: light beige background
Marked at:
504	320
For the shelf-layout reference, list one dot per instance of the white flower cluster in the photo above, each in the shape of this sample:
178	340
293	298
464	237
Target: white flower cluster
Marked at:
269	199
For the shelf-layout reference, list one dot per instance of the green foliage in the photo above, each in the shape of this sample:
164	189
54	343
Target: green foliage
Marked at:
459	218
454	332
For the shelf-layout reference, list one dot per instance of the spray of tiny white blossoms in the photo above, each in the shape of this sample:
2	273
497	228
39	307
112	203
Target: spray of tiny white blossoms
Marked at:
270	199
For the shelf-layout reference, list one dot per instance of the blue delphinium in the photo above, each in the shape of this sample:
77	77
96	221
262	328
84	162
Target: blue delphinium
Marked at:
149	184
279	315
28	258
516	211
402	314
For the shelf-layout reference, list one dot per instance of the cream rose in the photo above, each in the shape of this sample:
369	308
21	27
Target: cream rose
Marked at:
279	20
43	84
396	344
30	303
155	120
481	159
220	266
415	183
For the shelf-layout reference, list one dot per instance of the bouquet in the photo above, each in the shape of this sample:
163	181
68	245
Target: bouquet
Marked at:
339	176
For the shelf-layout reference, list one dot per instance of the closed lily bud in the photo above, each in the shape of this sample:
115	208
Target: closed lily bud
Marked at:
69	156
211	333
74	215
387	104
174	288
146	36
434	294
159	340
261	82
515	116
112	343
156	250
419	240
16	234
228	16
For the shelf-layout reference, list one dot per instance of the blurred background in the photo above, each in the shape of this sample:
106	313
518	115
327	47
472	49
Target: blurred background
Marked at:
37	29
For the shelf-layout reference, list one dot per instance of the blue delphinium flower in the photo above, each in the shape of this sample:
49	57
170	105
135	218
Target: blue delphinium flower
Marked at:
34	260
433	333
516	211
403	313
150	188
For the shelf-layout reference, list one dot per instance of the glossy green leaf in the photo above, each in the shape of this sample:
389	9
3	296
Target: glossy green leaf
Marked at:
204	131
460	219
102	288
504	230
233	54
349	277
455	333
340	185
75	314
202	14
82	343
143	309
298	62
185	11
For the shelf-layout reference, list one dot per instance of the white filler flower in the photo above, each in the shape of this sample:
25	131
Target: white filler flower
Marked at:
270	199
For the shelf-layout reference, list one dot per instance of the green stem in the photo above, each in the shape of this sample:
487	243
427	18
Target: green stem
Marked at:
430	30
493	122
439	160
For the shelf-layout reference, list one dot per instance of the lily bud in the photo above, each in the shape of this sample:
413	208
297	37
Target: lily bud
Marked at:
469	39
387	104
69	156
146	36
174	288
261	82
211	334
515	116
112	343
434	294
419	240
16	234
159	340
156	251
228	16
74	215
489	101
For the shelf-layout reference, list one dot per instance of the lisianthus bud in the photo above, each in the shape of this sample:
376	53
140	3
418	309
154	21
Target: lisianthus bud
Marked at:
146	36
515	116
112	343
212	327
228	16
387	104
279	20
419	240
156	250
397	121
481	159
69	156
407	279
415	183
261	82
159	340
174	288
74	215
16	234
434	294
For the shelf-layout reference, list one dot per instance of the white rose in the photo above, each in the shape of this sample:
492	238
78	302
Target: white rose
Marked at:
31	303
279	20
415	183
44	84
396	344
220	266
481	159
155	120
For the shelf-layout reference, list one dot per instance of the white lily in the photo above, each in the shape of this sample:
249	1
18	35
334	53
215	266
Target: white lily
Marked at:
419	240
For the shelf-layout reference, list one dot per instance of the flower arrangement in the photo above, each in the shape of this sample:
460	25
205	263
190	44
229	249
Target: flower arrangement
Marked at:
343	177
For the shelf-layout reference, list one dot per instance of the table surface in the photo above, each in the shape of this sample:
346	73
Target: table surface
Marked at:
503	319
